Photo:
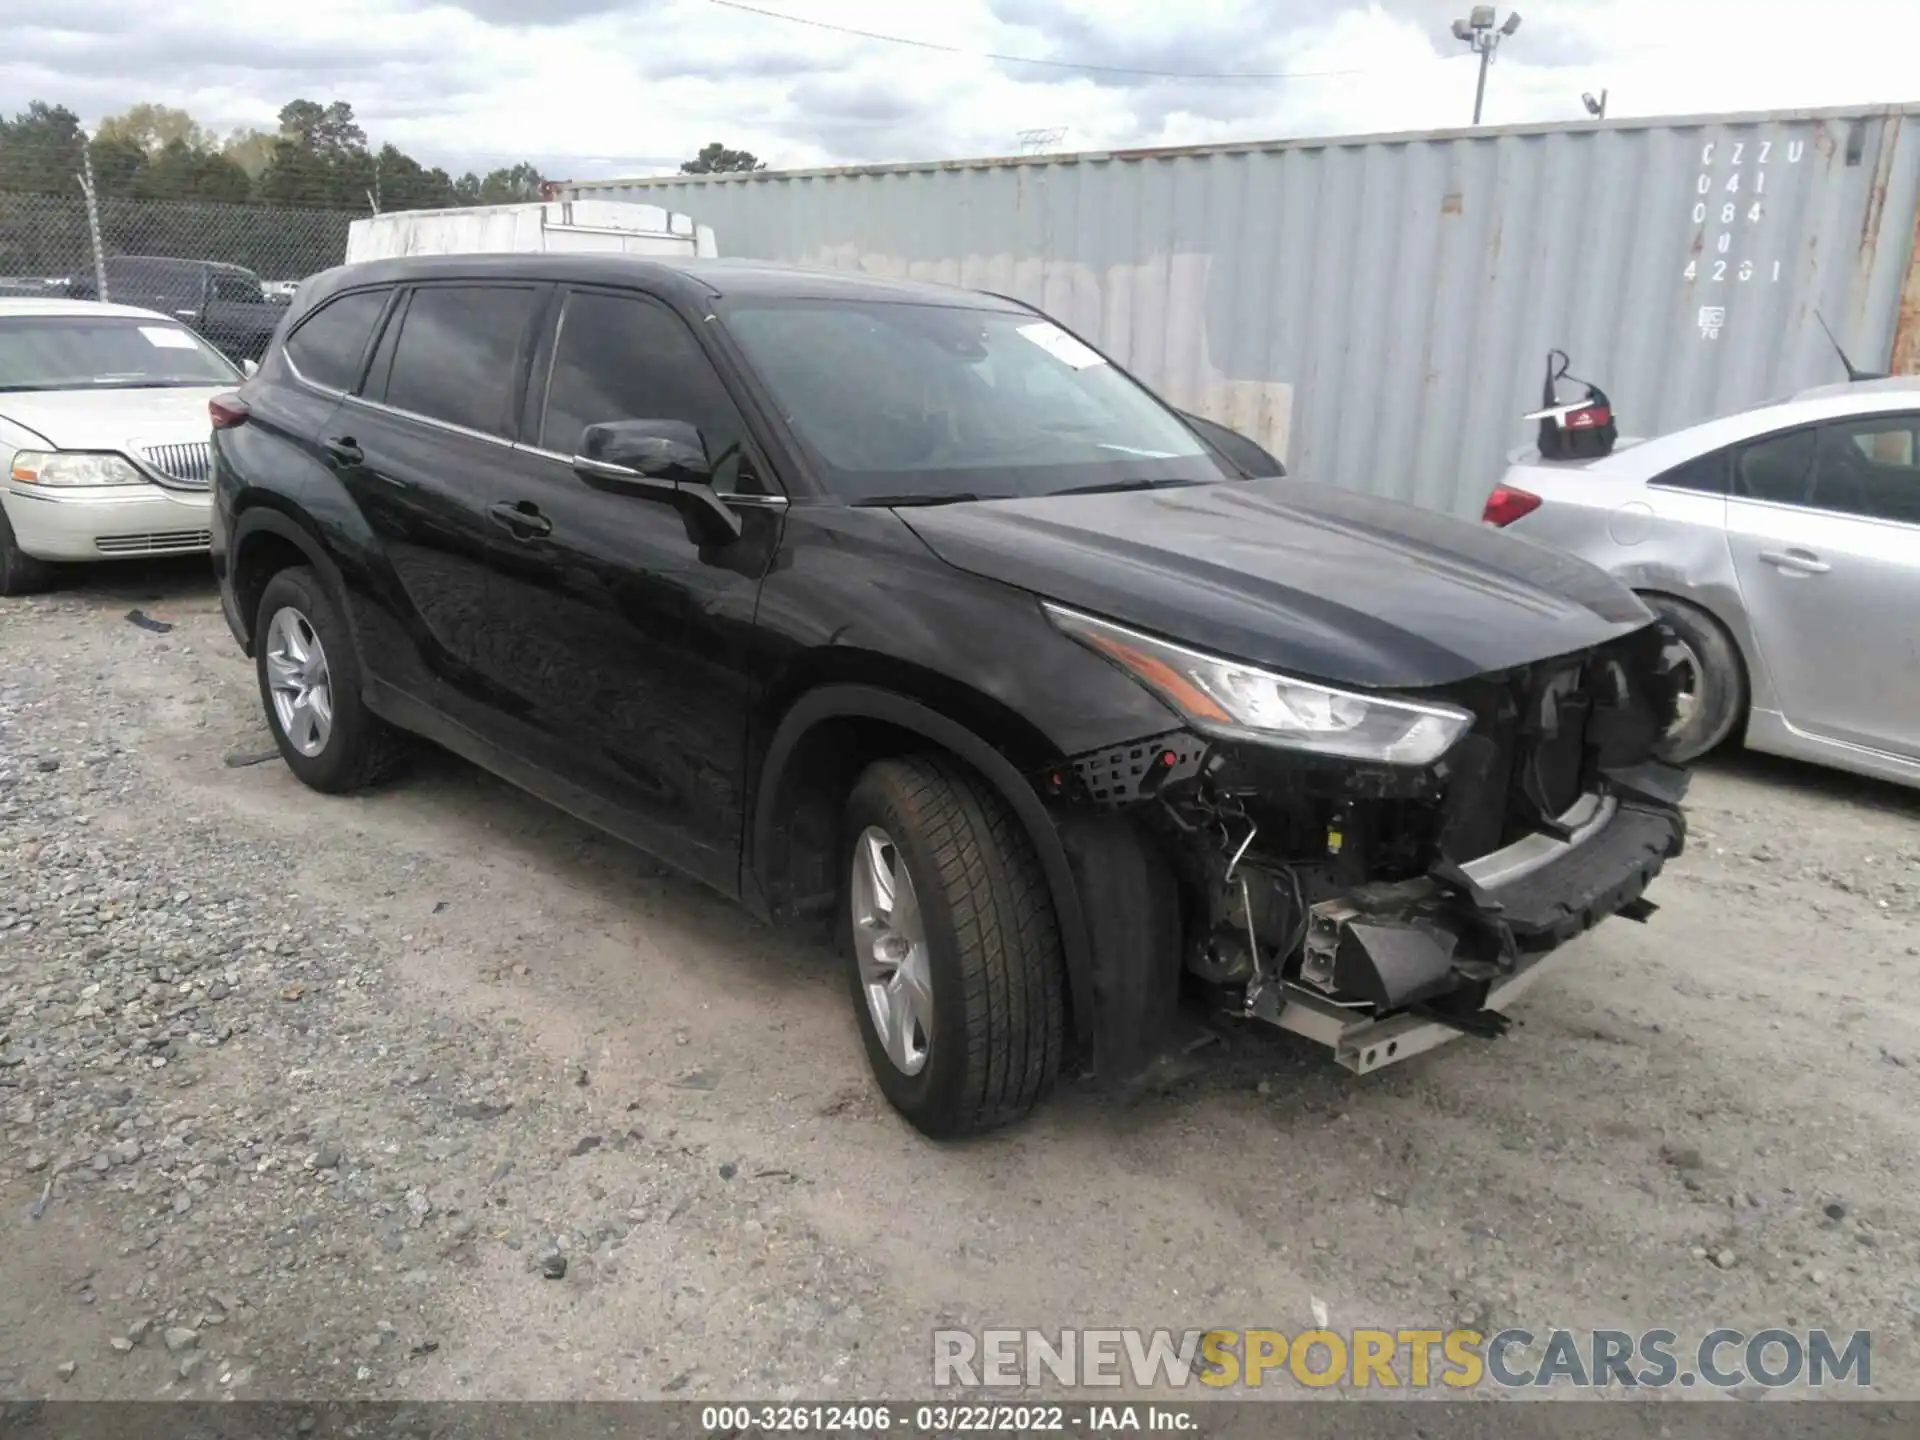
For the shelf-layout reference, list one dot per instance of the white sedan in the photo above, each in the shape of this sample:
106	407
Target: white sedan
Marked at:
1782	546
103	435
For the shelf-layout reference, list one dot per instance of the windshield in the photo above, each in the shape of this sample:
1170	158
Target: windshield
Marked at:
925	402
105	352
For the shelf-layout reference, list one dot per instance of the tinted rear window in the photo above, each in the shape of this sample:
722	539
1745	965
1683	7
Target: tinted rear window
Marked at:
331	342
455	358
1707	473
170	273
1779	468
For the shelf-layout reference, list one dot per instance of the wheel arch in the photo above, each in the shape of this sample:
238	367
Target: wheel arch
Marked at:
822	740
1736	630
266	540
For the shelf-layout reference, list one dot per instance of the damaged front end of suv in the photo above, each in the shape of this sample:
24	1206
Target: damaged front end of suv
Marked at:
1378	872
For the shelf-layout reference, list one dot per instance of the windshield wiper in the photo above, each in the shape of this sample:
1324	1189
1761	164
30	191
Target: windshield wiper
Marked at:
1115	486
891	501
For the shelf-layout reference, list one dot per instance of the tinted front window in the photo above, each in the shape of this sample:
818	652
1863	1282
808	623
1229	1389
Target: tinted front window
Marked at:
455	358
328	346
1871	468
625	358
72	352
927	400
1778	469
231	285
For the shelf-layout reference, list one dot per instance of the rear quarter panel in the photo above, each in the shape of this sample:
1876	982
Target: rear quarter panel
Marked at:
1656	539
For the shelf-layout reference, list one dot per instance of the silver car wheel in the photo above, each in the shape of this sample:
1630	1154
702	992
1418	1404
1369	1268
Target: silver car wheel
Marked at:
298	681
1684	664
890	941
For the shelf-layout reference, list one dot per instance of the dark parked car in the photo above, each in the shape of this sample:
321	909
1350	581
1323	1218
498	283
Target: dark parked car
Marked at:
225	303
897	611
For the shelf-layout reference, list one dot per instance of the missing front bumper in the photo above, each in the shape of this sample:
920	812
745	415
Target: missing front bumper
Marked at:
1360	1042
1385	977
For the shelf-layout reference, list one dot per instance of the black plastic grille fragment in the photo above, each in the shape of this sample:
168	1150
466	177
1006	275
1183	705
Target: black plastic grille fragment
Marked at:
1125	773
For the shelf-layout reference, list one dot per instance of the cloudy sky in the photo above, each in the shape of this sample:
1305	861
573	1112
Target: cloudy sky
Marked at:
591	88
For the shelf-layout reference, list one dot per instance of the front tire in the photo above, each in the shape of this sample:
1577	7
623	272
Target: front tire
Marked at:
953	948
310	682
20	573
1713	696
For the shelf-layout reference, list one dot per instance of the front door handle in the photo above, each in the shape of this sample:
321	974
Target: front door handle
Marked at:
1800	562
522	519
344	449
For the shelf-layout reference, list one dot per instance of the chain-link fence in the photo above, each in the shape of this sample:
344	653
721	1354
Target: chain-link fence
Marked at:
46	242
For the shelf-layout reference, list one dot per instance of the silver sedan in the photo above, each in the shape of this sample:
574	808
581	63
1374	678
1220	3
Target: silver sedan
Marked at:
1782	546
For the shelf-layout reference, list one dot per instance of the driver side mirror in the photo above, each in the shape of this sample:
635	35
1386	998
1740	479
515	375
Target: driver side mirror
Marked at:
661	460
659	449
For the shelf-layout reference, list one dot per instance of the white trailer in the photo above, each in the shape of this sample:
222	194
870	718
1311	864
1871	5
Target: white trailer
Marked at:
555	226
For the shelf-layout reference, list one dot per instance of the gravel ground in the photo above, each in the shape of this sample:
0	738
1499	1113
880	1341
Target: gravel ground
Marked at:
433	1093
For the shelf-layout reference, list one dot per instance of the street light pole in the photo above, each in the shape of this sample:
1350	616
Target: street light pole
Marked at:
1479	31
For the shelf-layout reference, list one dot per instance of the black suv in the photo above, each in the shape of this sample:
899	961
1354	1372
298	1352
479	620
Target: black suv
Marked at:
897	610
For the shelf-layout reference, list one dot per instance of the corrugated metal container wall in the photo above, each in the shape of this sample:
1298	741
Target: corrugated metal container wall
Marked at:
1378	310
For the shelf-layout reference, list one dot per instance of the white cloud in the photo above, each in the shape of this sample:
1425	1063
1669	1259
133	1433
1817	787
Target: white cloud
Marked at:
600	87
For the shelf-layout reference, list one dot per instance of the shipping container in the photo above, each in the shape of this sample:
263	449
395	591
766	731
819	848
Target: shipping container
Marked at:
602	225
1377	309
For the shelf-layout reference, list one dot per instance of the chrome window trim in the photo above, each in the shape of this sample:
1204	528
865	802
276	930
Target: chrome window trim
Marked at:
1791	509
429	420
286	354
755	502
286	346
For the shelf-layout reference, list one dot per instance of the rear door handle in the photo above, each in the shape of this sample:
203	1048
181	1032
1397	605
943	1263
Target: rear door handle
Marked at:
344	449
524	519
1801	562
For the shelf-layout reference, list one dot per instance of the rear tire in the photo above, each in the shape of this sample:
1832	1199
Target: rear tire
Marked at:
310	683
1716	698
988	957
20	573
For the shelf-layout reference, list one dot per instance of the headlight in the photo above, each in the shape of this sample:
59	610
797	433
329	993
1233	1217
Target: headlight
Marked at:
1225	697
74	467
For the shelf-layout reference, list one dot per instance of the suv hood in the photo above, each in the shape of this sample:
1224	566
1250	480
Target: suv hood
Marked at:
1314	581
107	419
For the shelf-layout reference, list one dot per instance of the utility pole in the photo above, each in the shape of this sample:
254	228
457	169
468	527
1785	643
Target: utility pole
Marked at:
93	220
1479	31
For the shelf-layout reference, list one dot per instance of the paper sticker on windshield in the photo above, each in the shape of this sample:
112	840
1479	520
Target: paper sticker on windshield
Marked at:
165	337
1062	346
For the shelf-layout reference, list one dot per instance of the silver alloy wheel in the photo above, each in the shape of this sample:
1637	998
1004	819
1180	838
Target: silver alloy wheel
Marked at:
890	940
298	681
1685	666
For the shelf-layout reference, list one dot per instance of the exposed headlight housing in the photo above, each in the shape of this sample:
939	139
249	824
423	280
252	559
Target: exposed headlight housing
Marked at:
1225	697
74	468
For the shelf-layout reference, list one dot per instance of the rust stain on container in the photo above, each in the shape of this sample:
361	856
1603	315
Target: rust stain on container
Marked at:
1450	204
1876	202
1906	322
